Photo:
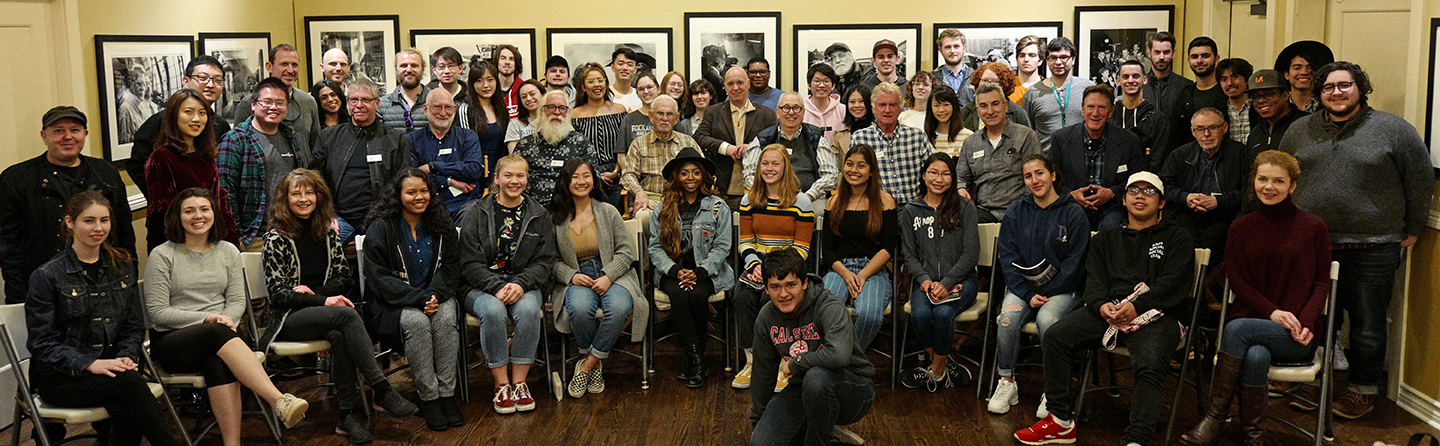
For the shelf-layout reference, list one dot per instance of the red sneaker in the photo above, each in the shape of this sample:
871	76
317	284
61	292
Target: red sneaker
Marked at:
504	402
523	401
1046	431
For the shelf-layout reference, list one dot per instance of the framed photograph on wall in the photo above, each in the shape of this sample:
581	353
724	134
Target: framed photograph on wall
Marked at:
243	57
479	43
1432	107
1110	35
995	41
654	47
716	41
847	49
136	74
371	41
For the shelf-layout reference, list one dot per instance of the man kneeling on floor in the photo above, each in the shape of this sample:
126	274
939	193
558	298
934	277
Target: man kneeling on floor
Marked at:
814	345
1138	281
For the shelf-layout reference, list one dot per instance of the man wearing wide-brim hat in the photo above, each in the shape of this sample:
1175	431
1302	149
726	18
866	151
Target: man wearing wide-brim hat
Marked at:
1298	62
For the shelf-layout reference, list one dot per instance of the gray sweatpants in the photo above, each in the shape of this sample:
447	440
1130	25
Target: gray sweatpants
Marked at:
432	344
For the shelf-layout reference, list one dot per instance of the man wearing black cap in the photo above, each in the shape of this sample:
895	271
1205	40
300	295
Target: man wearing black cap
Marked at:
1270	103
203	74
34	192
557	77
1298	62
885	56
851	71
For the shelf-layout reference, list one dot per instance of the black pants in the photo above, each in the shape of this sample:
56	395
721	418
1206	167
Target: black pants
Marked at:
806	412
1150	350
350	347
747	307
134	410
194	349
692	307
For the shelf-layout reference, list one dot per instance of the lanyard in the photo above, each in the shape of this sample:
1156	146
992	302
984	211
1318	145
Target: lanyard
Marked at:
1065	103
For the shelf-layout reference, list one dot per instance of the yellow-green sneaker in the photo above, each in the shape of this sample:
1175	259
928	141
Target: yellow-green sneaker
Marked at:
742	379
781	382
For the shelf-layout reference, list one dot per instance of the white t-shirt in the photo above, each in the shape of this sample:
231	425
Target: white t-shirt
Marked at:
630	101
516	130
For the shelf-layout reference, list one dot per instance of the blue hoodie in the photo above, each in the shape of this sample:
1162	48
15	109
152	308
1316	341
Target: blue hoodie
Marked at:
1058	234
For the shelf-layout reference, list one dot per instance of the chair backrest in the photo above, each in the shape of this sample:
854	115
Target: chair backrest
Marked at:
12	324
360	262
989	232
636	229
252	268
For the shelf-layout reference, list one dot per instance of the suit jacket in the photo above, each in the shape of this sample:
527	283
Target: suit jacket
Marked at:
1123	157
718	128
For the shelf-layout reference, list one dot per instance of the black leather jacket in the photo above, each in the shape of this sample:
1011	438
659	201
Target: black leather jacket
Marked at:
74	320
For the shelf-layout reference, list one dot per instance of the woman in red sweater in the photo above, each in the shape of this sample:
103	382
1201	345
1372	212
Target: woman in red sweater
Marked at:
184	157
1278	261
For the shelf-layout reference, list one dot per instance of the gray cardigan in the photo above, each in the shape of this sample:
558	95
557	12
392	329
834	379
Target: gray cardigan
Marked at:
616	254
182	287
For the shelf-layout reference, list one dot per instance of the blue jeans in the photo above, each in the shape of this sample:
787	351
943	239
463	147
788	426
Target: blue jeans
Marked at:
1260	342
870	304
935	324
1014	313
1367	278
808	411
581	303
494	339
346	231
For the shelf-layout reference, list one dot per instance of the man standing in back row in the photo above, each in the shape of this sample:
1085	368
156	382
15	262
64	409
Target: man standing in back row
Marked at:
1054	103
727	129
203	74
302	113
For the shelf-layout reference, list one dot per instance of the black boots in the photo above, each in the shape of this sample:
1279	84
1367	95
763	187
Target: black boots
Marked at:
694	372
1222	391
1253	401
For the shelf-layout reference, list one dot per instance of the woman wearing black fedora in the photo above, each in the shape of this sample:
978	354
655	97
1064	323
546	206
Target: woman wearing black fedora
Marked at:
691	253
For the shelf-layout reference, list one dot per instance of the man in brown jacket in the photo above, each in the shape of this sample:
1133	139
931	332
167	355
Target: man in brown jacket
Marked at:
728	126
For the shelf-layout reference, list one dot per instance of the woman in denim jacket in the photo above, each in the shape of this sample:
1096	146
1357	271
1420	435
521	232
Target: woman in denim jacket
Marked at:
690	249
85	325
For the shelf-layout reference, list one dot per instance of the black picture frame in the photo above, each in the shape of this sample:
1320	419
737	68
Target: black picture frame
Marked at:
991	30
664	62
242	57
536	67
1431	114
163	70
861	33
694	66
1084	52
382	60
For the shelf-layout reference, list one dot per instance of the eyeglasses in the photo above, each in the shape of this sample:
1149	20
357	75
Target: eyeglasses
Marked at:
646	88
665	114
1057	58
1137	190
557	108
757	72
1207	129
267	103
208	80
446	67
790	108
1340	87
1268	93
822	82
443	108
358	101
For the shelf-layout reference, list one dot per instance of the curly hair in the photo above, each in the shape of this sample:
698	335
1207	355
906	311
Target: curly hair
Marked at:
923	76
279	216
435	217
674	193
1007	77
1362	80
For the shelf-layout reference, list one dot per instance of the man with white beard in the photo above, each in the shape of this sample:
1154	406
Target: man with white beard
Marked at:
403	109
553	142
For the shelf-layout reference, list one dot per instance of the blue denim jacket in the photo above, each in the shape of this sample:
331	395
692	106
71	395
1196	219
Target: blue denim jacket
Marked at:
72	320
712	242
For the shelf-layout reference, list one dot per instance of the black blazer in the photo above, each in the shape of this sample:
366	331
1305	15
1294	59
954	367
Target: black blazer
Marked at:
717	128
1123	156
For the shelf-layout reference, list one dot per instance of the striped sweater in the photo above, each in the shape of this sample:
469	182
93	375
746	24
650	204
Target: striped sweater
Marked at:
768	228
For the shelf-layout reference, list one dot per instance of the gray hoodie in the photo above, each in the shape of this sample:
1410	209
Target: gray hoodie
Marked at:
818	334
932	253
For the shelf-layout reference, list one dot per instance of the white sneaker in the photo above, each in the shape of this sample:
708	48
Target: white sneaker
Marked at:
1042	411
1006	394
1341	362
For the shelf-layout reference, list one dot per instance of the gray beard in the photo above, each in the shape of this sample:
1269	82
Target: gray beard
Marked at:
553	133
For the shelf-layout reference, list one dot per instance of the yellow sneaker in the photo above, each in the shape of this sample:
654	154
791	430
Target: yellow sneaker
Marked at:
742	379
780	382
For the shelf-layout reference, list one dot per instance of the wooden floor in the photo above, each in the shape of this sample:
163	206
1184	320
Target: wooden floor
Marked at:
670	414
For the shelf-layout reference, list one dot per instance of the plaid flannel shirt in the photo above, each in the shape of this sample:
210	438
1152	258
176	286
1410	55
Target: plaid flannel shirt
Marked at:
240	160
645	162
901	157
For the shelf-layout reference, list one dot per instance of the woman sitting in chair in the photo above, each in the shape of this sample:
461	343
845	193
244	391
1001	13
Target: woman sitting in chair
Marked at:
412	271
507	247
195	294
76	361
1278	262
306	275
776	214
595	255
860	238
690	250
941	247
1041	251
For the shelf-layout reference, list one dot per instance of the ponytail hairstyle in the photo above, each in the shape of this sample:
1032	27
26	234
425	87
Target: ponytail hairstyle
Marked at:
81	202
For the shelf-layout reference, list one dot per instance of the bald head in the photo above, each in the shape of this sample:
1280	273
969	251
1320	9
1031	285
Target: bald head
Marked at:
440	110
336	65
737	84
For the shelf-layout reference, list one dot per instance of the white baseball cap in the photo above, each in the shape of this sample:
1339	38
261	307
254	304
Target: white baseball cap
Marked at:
1147	177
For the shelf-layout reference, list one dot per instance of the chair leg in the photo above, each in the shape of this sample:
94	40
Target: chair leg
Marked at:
1180	388
175	416
1090	365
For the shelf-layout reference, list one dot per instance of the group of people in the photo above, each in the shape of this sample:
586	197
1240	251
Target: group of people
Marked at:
492	196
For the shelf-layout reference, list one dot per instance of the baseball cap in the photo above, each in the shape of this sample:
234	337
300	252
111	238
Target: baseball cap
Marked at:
1264	79
62	112
885	43
1148	178
837	46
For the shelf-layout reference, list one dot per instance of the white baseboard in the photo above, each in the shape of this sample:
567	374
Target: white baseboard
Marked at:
1420	405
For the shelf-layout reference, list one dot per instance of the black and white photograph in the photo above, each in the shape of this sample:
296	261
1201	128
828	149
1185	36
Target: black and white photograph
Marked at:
724	40
1432	107
995	42
481	43
243	57
581	45
136	74
1107	36
847	49
370	41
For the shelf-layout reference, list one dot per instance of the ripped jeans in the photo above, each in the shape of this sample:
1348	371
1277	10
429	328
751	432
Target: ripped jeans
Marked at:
1014	313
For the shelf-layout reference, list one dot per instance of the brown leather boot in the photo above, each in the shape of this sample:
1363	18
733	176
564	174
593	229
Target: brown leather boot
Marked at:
1222	391
1253	413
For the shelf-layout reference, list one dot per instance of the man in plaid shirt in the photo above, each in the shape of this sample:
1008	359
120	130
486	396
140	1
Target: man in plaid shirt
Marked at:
256	154
649	153
900	150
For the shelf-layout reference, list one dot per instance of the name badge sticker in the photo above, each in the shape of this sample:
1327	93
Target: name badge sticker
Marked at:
374	158
977	155
444	152
1122	169
789	151
557	163
879	154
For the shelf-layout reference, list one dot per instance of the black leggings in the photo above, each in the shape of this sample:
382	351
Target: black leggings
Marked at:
350	347
134	410
692	307
194	349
